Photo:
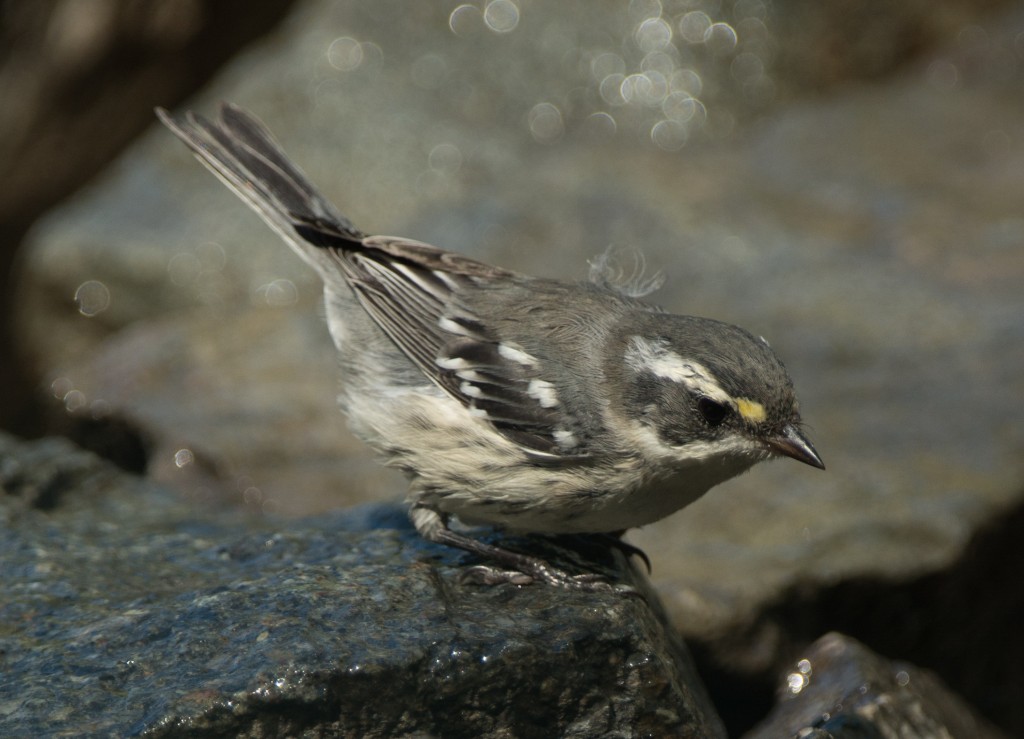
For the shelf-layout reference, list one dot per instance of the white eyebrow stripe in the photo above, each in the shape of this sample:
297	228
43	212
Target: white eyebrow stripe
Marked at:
644	355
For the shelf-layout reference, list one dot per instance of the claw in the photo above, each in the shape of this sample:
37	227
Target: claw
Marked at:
588	582
514	568
484	575
614	541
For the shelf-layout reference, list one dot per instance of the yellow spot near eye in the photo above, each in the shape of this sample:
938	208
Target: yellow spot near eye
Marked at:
750	410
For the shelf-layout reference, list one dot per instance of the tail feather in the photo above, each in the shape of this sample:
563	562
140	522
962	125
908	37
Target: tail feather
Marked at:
240	150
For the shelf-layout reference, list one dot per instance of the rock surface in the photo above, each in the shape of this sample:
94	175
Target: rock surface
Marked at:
125	612
841	690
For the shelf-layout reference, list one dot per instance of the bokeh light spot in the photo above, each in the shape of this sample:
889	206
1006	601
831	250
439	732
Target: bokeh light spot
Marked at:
345	54
605	64
796	682
611	89
645	8
670	135
445	158
686	80
721	39
693	26
183	268
501	16
92	297
681	107
465	19
943	75
600	125
545	122
653	34
74	400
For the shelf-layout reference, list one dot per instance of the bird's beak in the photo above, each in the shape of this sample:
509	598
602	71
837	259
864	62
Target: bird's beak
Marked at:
792	443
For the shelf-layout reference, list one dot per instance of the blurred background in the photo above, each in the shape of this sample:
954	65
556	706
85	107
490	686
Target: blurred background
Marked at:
844	178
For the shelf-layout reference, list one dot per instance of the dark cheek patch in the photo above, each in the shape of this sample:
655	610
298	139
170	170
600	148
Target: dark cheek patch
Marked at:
667	408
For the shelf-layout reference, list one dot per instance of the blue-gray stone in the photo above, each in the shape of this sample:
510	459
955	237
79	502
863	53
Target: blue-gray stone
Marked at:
124	611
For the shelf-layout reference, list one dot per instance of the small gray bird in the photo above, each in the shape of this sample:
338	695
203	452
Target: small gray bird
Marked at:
521	402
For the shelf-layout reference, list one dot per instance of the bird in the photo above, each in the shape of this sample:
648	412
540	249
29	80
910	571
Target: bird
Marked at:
528	404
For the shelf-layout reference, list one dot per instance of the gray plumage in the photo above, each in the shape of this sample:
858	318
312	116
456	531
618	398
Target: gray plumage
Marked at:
527	403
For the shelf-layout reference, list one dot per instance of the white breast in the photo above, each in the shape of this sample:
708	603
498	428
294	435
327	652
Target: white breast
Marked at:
460	466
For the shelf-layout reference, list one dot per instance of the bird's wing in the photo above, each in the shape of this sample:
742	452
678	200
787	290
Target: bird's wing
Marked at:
413	291
417	295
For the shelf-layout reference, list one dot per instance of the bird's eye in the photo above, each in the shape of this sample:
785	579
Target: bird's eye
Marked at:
713	411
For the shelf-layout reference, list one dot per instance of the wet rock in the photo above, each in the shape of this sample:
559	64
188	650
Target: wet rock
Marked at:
126	612
961	622
842	690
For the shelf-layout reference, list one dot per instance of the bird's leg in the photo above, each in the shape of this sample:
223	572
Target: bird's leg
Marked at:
519	569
